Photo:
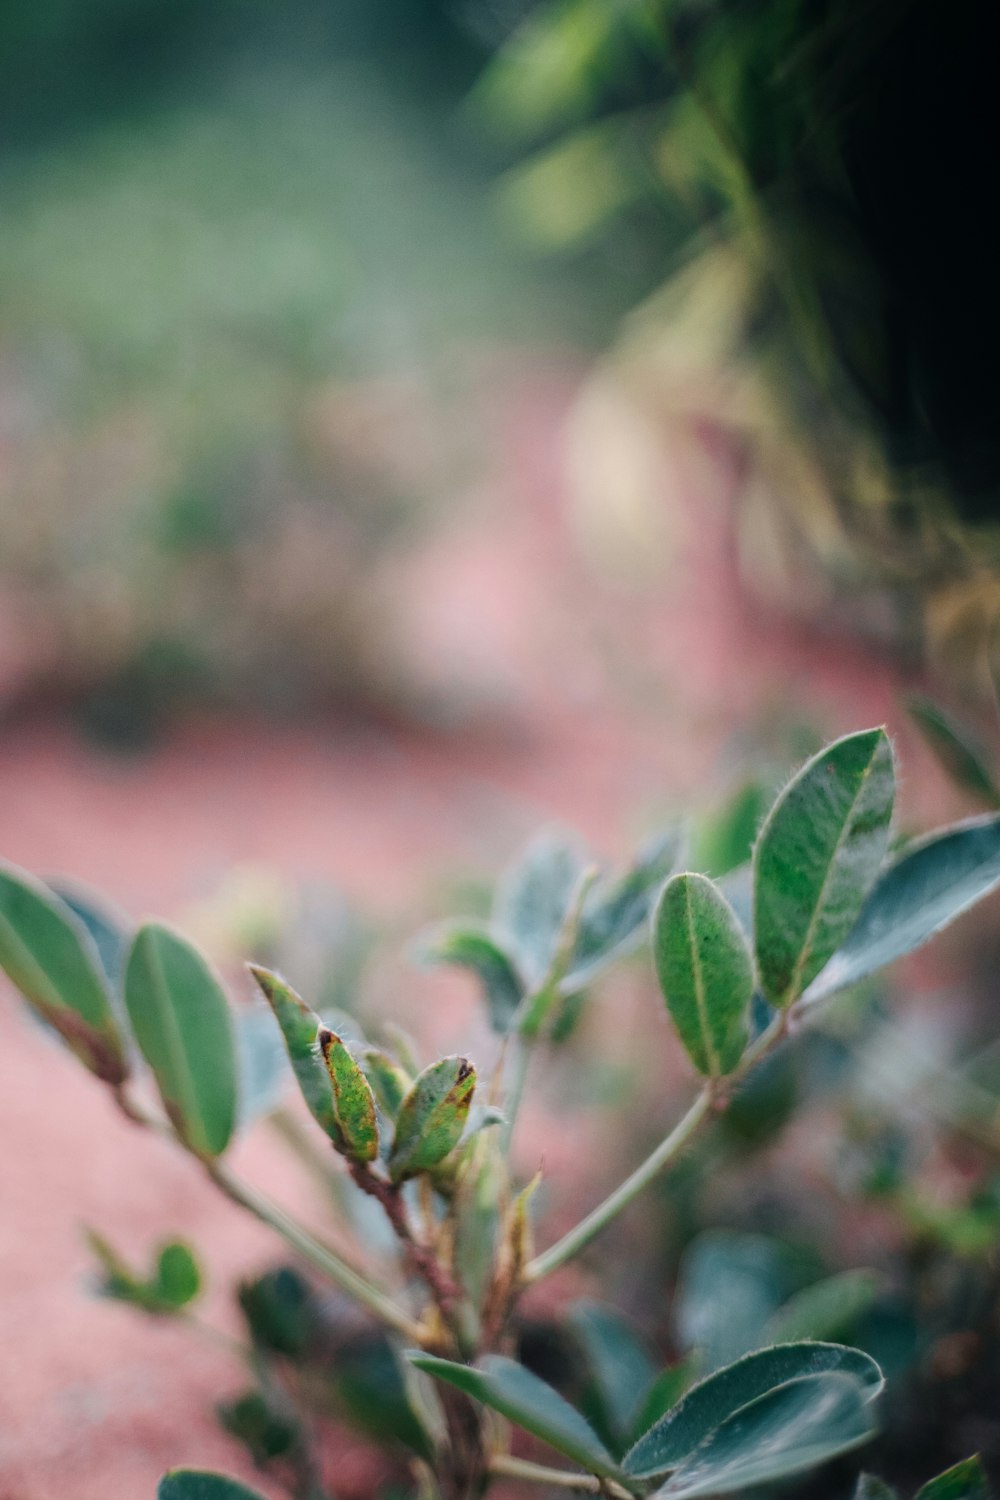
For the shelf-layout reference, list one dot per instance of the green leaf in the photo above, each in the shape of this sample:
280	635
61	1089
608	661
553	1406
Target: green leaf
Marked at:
817	858
52	959
705	970
353	1099
932	882
870	1487
534	900
724	839
265	1433
616	911
280	1311
108	928
522	1398
472	946
199	1484
372	1387
965	1481
796	1427
390	1083
826	1309
619	1364
184	1029
714	1400
432	1117
956	749
178	1279
300	1028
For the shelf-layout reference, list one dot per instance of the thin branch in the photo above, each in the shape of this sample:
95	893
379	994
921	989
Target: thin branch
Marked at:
325	1260
506	1466
318	1255
581	1235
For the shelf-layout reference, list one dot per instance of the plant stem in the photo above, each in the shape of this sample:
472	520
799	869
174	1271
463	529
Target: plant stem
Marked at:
521	1062
564	1249
581	1235
505	1465
312	1250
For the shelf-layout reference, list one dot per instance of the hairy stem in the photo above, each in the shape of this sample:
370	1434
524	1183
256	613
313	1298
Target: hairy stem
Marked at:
506	1466
581	1235
436	1276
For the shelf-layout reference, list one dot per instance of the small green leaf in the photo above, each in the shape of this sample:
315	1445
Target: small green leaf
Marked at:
472	946
280	1311
183	1026
432	1117
619	1364
616	910
965	1481
817	858
870	1487
712	1401
791	1429
199	1484
265	1433
353	1099
956	748
522	1398
390	1083
51	958
372	1387
824	1310
705	970
534	900
931	883
730	1284
300	1028
178	1279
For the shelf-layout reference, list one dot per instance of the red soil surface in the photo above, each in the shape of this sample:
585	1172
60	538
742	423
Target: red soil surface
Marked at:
603	709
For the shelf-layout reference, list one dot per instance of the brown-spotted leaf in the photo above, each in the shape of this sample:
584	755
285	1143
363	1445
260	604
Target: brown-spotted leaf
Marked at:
432	1117
353	1099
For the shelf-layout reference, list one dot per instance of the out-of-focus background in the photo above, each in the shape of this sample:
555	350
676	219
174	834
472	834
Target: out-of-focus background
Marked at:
420	421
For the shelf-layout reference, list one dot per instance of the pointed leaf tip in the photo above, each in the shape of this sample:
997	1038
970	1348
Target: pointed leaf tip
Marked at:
816	859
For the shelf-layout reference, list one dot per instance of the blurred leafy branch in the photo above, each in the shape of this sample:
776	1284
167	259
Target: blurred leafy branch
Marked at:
431	1364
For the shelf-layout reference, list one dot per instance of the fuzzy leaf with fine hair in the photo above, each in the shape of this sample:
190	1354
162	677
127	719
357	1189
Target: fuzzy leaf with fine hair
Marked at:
816	859
705	971
432	1117
353	1099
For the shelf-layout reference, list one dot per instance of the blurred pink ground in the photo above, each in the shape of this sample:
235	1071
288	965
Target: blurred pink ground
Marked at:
611	709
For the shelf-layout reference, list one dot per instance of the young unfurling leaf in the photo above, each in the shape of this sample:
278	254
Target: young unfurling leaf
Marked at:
353	1099
300	1028
432	1117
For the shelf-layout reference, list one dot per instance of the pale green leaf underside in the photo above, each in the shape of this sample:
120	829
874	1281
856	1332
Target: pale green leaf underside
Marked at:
705	971
791	1429
182	1023
931	883
522	1398
709	1403
817	857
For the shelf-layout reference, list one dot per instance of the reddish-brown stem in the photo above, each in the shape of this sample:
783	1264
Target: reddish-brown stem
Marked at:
422	1258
